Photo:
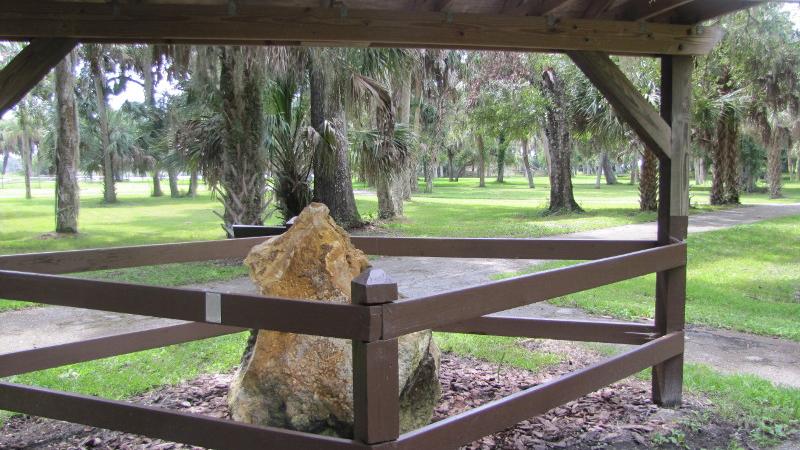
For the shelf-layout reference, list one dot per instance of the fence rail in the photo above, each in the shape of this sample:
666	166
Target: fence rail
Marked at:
373	322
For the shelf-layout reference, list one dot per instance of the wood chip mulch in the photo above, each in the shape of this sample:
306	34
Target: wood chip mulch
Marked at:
620	416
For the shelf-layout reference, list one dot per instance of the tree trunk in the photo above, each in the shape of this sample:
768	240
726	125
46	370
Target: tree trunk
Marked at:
699	171
243	163
67	148
174	191
6	154
25	151
599	173
481	161
634	168
333	184
774	172
502	148
608	169
526	163
648	182
559	141
192	183
450	156
728	141
797	168
101	100
157	192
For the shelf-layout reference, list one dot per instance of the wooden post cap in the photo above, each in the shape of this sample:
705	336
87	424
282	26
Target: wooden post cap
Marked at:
373	287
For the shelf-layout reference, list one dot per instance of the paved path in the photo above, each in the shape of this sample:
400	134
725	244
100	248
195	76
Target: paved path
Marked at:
732	352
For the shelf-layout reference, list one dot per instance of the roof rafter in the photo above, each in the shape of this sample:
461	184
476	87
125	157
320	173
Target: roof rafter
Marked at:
259	25
629	104
28	68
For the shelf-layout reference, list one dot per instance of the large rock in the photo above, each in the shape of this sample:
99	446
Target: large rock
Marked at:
304	382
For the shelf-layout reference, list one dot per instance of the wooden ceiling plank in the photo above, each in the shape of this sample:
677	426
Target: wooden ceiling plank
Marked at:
629	104
643	9
29	67
263	25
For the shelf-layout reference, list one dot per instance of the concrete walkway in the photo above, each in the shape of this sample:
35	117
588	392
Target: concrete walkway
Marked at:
731	352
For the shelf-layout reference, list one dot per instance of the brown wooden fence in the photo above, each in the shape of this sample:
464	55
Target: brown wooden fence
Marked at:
373	322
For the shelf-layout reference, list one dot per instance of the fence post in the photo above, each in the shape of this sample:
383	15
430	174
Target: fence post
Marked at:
376	388
673	212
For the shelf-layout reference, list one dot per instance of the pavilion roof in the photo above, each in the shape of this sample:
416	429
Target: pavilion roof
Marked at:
648	27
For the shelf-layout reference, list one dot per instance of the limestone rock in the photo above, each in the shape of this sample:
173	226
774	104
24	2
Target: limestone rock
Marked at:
304	382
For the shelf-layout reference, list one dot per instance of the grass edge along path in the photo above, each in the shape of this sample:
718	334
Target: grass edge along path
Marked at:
743	278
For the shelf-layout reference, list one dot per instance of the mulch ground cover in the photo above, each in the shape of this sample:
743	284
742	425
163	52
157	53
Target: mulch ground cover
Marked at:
620	416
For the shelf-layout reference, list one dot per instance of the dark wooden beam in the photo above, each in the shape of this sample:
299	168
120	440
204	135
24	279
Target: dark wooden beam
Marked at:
456	306
566	330
103	347
673	211
161	423
264	25
643	9
28	68
498	415
629	104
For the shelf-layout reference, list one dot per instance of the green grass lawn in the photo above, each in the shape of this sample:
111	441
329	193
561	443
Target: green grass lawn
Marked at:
744	278
747	274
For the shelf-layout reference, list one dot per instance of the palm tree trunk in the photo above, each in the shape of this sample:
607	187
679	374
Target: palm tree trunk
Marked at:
648	182
25	151
774	169
699	171
481	161
559	143
526	163
244	165
101	99
6	155
502	148
599	173
174	191
608	169
67	148
192	183
333	183
157	191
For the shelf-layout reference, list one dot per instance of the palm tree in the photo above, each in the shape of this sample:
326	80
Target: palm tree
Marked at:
291	146
67	148
328	93
95	55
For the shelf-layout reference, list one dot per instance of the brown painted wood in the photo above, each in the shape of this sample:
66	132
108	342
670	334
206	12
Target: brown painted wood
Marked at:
160	423
265	24
567	330
500	414
563	249
628	103
459	305
28	68
103	347
643	9
74	261
249	311
667	378
376	386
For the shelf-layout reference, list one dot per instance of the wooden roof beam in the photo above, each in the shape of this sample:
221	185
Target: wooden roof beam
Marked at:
644	9
629	104
29	67
264	25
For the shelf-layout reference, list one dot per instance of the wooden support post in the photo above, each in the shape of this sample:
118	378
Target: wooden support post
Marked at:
673	211
376	387
29	67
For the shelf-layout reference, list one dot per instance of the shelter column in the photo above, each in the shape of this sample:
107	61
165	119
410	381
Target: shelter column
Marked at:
673	211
